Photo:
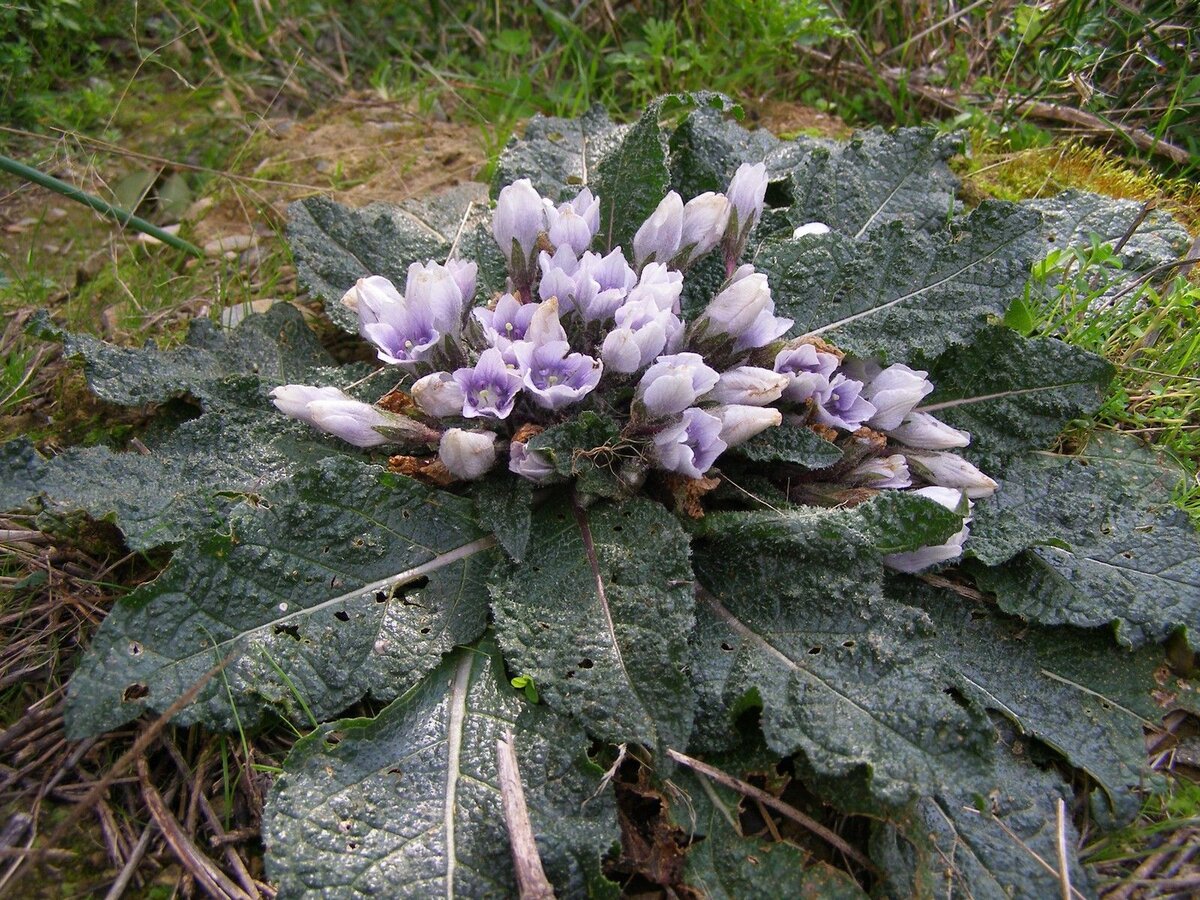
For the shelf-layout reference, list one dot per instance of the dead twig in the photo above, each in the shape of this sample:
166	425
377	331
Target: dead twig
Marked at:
774	803
532	883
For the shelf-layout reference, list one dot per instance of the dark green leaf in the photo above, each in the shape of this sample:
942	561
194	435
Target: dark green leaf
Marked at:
790	444
901	522
407	805
583	448
502	506
1014	394
335	245
1102	552
1071	218
878	177
599	617
339	582
559	155
897	293
707	148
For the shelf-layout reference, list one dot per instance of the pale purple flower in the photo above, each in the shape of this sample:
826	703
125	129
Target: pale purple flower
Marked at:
530	464
439	395
467	454
949	470
574	224
923	432
464	273
355	422
815	228
881	472
555	378
658	238
916	560
739	423
544	325
744	311
559	277
841	405
746	192
490	388
748	386
808	370
602	284
372	298
674	383
704	221
507	323
644	331
439	288
691	446
519	218
894	392
661	285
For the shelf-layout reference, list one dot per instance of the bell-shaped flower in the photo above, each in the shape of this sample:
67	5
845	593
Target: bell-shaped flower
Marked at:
374	298
841	404
602	284
740	423
691	446
530	464
467	455
658	238
489	388
644	331
659	284
507	323
704	221
405	335
439	395
554	377
574	224
435	287
519	218
355	422
881	472
559	277
894	392
674	383
949	470
748	386
744	311
814	228
746	193
808	370
463	272
923	432
917	560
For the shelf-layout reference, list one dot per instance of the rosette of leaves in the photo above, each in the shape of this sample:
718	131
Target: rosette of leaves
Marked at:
750	623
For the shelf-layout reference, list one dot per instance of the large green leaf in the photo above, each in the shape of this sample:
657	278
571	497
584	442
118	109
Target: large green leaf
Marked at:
1073	217
1014	394
707	148
1102	552
990	841
878	177
792	444
599	615
1069	688
276	347
792	619
896	292
407	804
335	245
559	155
339	582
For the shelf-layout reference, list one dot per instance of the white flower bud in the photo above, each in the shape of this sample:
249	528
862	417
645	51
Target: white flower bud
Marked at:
923	432
467	454
951	471
882	472
704	221
748	386
740	423
894	392
659	235
439	395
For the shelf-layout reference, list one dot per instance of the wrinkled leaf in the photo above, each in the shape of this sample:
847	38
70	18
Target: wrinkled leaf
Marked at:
407	804
897	293
339	582
599	617
1014	394
1108	556
559	155
502	506
335	245
707	148
790	444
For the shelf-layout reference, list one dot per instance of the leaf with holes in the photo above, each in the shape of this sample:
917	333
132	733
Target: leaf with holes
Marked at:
339	582
406	804
599	618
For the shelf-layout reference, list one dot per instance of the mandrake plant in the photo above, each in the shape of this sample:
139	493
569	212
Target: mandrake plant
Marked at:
748	493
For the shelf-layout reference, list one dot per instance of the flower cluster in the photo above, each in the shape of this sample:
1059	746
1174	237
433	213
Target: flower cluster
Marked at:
578	328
